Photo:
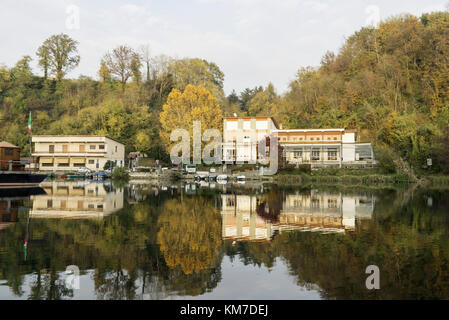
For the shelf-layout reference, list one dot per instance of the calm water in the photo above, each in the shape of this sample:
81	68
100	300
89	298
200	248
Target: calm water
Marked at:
222	242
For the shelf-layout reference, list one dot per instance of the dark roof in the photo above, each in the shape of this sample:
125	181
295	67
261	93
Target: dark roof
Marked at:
5	144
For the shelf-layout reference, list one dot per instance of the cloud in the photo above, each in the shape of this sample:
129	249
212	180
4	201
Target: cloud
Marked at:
253	41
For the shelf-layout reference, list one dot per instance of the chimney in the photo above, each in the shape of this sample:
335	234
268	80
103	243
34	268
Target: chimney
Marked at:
280	126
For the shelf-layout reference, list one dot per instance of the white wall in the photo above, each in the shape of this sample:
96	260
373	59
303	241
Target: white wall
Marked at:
348	152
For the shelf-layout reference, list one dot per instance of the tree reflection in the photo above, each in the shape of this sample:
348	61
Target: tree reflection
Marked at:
189	234
270	204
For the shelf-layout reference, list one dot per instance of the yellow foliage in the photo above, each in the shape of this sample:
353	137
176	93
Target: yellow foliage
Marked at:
196	103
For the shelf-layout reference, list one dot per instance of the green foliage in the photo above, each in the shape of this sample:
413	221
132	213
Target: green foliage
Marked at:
107	165
385	157
120	173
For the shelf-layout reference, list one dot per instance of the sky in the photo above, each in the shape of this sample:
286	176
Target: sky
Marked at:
254	42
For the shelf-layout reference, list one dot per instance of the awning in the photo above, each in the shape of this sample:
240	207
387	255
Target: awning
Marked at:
62	160
46	160
78	160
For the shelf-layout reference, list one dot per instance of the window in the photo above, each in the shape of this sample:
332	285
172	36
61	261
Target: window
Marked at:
91	206
82	149
316	203
315	155
49	203
115	148
332	154
47	164
335	138
51	148
312	139
9	152
64	148
63	204
63	164
297	154
332	203
91	161
101	147
230	202
318	139
92	147
301	139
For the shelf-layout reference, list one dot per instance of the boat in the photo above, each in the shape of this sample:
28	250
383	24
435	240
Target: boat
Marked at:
241	179
99	175
222	177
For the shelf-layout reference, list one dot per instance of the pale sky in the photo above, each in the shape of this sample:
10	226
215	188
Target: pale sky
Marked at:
252	41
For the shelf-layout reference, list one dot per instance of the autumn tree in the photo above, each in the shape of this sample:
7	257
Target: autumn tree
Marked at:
197	72
104	72
196	103
58	54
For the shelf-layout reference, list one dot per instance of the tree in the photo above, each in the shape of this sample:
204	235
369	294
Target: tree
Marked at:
198	72
182	108
123	63
44	59
59	55
264	102
104	72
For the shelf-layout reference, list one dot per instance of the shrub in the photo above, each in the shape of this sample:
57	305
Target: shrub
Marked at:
120	173
386	158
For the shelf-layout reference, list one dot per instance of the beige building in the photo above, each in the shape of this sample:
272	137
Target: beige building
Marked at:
67	153
324	147
76	200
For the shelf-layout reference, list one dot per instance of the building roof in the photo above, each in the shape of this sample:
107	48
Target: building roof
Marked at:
77	136
311	130
255	117
5	144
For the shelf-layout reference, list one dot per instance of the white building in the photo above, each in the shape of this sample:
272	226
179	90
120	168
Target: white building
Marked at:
67	153
241	136
318	147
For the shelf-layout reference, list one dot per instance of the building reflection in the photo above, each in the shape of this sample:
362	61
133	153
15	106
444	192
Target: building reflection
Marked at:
70	199
12	201
247	217
9	211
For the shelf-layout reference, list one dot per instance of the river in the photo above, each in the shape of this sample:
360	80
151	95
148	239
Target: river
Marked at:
89	240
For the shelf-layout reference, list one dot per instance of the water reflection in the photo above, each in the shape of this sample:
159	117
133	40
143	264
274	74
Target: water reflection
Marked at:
260	217
12	201
223	241
70	199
